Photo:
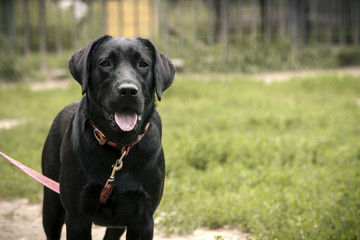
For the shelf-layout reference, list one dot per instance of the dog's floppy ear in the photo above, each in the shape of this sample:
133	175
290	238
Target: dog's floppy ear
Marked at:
164	73
164	70
79	63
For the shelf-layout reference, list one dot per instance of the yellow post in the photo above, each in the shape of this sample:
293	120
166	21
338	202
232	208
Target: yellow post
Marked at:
129	18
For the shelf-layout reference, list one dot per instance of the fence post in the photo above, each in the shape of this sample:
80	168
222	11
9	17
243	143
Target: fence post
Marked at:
355	22
58	30
294	27
342	26
314	21
42	25
104	17
265	20
238	21
165	21
196	19
73	26
282	23
302	16
330	21
89	18
136	17
254	21
26	22
223	33
182	24
12	27
120	5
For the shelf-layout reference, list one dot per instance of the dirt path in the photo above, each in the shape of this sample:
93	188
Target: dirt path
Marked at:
269	77
20	220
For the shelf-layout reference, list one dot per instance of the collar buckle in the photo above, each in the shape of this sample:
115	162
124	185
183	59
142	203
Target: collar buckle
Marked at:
99	136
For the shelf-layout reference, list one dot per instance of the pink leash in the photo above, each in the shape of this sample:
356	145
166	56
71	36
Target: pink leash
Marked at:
49	183
55	186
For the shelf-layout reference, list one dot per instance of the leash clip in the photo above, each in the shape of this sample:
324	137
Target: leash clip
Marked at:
116	167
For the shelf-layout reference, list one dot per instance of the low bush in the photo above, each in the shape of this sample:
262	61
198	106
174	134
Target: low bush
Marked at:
349	57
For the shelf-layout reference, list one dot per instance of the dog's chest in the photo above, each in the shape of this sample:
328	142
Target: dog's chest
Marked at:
121	208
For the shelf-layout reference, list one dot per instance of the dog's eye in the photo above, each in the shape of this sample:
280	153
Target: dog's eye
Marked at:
105	64
143	64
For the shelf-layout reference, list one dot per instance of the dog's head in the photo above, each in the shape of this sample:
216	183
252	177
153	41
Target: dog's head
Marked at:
121	76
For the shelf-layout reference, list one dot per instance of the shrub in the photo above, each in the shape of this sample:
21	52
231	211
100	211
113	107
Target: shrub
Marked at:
10	69
349	57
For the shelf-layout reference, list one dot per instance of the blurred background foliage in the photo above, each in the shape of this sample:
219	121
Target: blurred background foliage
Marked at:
200	36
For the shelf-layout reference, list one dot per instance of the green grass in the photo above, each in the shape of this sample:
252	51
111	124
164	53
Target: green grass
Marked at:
24	142
278	161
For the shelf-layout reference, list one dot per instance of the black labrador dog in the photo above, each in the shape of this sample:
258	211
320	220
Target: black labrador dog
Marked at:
105	149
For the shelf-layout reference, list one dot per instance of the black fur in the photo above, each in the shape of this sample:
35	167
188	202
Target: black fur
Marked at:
74	157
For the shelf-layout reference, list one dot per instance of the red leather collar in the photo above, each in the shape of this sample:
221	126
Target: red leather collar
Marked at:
102	139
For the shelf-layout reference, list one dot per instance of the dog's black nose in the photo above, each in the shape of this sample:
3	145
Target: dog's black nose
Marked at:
128	90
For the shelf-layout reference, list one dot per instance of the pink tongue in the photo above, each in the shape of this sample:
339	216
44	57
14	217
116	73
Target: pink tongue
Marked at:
126	120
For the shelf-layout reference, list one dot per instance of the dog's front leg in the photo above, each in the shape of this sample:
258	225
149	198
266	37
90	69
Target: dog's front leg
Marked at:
113	233
78	227
141	230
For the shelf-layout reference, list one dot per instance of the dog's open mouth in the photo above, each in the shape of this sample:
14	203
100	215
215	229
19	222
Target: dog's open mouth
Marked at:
126	119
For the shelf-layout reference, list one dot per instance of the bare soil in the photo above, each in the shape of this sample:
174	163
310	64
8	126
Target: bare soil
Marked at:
21	220
9	123
270	77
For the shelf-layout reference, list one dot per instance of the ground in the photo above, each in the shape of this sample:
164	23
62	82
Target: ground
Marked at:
21	220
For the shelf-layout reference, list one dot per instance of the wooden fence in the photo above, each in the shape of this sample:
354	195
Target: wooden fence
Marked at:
52	25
